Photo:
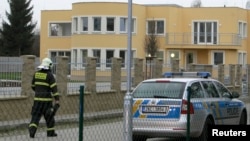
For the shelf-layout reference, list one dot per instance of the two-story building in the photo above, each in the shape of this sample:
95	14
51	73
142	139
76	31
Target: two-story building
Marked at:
206	35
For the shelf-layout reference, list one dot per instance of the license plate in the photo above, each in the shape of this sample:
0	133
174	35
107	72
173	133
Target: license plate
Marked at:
154	109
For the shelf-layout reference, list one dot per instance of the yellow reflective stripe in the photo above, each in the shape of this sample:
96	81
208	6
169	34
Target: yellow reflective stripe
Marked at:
33	125
42	99
40	75
50	129
55	94
41	83
52	85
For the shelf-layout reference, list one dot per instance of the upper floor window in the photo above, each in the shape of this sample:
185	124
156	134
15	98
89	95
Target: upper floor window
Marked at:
243	29
97	23
155	27
85	24
124	25
75	24
110	24
205	32
60	29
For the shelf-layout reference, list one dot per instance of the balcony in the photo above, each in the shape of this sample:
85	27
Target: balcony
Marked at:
201	40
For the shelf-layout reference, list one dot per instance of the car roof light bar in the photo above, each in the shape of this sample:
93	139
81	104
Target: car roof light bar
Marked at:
187	74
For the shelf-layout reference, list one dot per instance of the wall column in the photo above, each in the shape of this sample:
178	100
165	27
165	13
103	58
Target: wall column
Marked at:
62	71
90	75
116	74
27	74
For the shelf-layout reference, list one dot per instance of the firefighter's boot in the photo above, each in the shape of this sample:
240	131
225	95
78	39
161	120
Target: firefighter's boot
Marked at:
51	133
32	131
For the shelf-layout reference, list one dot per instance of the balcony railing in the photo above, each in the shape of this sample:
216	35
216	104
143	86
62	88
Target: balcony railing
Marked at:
200	38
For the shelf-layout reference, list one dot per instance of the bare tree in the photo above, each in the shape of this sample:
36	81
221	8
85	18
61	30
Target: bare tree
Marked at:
151	43
196	3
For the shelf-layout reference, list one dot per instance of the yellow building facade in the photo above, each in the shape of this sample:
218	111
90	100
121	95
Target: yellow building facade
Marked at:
206	35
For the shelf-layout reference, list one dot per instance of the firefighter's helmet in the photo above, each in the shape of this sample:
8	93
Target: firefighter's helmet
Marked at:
46	64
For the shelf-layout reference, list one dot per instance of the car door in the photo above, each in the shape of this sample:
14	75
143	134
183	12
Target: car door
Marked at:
216	106
232	107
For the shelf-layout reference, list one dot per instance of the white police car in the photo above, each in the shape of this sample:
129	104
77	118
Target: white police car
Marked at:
160	106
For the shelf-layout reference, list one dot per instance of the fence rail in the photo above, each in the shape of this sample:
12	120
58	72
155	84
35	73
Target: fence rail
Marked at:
103	97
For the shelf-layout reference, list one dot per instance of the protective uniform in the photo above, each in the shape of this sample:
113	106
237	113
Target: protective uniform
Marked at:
44	85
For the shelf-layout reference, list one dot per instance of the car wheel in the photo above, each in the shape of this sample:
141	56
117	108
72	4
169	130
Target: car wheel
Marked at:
204	134
243	118
139	138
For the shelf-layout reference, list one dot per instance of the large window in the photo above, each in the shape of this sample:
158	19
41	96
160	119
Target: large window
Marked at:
205	32
109	56
110	24
85	25
60	29
155	27
122	54
218	57
84	54
97	54
242	58
97	23
74	61
124	25
75	25
243	29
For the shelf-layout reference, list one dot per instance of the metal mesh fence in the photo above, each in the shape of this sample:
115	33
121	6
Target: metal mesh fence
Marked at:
103	107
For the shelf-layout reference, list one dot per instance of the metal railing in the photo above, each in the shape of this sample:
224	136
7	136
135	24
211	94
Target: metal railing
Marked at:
191	38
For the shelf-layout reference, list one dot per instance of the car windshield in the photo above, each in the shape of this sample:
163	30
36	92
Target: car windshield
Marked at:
159	90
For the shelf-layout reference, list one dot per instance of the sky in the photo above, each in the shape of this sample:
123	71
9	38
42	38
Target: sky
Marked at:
67	4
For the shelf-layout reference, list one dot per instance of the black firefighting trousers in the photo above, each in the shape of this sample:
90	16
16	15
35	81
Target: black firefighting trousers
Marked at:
40	109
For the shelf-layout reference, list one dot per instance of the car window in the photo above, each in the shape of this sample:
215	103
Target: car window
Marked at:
224	92
159	90
210	89
197	91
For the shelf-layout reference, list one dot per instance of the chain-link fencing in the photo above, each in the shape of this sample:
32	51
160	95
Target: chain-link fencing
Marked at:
104	91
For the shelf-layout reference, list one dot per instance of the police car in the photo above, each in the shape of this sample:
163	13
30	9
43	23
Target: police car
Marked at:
161	106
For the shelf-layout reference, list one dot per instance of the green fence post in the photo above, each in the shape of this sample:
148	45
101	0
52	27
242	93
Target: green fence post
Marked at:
81	109
188	113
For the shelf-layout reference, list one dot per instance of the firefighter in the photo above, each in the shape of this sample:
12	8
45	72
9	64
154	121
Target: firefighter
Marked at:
46	95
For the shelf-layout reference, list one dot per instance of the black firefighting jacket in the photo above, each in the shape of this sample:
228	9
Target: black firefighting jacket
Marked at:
44	85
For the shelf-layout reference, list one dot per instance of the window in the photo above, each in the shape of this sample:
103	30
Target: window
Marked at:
155	27
84	54
110	24
109	56
74	61
122	54
217	57
60	29
97	23
242	58
75	24
196	90
85	25
223	91
173	55
205	32
124	25
97	54
243	29
159	54
210	89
